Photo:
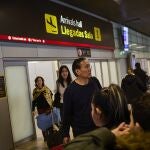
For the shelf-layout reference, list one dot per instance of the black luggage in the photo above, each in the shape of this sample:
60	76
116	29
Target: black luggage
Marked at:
54	137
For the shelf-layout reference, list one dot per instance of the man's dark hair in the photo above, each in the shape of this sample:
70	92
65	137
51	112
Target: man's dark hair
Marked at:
137	65
76	64
141	111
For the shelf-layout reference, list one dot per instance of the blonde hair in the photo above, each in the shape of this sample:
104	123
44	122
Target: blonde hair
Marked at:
134	141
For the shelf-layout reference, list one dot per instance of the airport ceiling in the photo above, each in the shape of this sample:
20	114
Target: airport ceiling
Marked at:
131	13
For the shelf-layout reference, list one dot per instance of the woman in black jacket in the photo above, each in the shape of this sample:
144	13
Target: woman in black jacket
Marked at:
64	79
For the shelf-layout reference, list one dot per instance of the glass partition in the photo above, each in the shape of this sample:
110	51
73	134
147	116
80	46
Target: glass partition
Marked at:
19	102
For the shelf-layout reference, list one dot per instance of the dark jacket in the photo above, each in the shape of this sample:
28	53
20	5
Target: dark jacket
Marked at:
77	108
103	139
141	74
96	82
132	87
100	139
41	104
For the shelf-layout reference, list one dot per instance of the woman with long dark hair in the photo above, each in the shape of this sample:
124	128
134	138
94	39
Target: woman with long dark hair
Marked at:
64	79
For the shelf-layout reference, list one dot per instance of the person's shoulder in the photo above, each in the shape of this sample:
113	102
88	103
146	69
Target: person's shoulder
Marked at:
123	79
46	88
143	71
95	82
35	89
135	70
71	86
94	79
99	133
102	136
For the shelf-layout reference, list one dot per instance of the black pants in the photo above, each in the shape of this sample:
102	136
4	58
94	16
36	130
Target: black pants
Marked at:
61	111
44	135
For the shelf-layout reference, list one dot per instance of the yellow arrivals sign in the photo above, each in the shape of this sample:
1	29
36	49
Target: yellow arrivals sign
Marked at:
51	24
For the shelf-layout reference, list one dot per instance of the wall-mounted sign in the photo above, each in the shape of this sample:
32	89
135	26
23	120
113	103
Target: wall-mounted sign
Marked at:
46	22
83	52
125	38
2	87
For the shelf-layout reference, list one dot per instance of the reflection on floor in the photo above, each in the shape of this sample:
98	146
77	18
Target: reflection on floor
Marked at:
37	144
33	145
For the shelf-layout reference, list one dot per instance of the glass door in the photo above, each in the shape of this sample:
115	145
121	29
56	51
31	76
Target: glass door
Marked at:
19	100
92	64
48	70
105	73
113	72
98	72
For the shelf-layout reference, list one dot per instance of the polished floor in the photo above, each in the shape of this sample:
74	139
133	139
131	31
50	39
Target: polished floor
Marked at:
33	145
37	144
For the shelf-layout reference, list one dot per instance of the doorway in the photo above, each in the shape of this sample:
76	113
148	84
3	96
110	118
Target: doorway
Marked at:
48	70
20	84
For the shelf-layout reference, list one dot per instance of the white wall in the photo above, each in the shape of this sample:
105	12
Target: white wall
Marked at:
27	52
21	51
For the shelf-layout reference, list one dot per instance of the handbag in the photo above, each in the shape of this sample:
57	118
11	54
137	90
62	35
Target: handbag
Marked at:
45	121
54	136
